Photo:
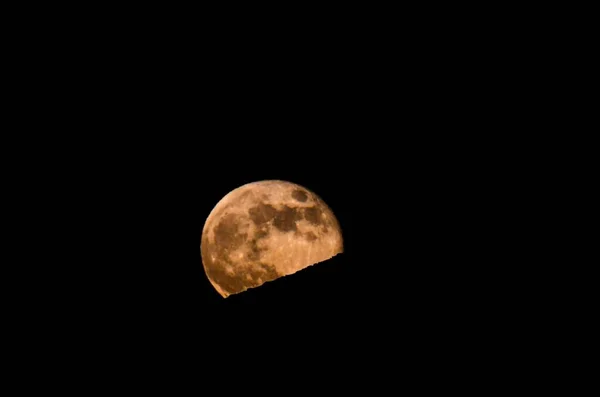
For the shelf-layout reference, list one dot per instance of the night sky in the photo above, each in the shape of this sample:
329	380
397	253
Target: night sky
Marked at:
413	136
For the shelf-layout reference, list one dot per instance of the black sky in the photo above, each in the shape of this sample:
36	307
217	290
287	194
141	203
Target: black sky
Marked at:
415	210
410	160
401	160
412	133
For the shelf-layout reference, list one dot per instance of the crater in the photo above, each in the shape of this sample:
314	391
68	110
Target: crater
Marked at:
310	236
299	195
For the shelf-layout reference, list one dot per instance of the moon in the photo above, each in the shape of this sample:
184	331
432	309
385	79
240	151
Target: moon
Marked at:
265	230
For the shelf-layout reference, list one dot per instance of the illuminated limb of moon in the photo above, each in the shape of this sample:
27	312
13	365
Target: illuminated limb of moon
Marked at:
265	230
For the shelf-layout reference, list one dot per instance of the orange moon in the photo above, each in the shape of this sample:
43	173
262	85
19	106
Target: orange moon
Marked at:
265	230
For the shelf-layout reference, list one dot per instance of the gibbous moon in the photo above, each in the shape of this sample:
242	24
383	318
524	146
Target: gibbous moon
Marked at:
265	230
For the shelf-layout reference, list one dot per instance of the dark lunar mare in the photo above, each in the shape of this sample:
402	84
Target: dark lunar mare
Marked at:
262	213
285	220
299	195
313	215
226	233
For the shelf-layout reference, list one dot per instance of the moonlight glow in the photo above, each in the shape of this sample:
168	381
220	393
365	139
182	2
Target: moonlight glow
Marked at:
265	230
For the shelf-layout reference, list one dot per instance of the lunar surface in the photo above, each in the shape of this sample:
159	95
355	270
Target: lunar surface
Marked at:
265	230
